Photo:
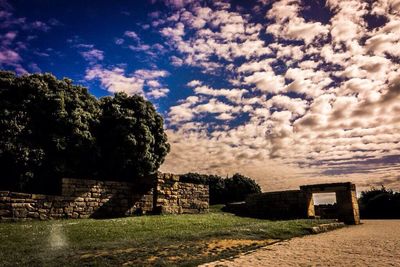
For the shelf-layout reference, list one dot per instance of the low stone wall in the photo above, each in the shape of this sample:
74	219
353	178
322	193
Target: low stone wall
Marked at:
174	197
96	199
273	205
298	204
107	198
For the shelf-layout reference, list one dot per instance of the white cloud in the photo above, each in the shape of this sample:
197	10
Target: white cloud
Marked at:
231	94
93	55
266	81
151	74
288	24
115	80
176	61
194	83
131	34
310	109
9	57
158	92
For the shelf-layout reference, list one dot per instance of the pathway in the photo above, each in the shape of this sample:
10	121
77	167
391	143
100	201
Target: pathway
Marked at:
374	243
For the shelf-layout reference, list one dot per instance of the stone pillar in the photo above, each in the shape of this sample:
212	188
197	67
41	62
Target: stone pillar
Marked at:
348	211
310	206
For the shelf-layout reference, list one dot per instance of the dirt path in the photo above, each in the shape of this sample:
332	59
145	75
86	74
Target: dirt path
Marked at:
374	243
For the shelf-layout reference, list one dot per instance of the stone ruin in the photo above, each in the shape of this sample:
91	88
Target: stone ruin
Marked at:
299	204
162	194
346	200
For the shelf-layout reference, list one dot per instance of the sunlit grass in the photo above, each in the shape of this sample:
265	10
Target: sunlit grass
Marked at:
184	240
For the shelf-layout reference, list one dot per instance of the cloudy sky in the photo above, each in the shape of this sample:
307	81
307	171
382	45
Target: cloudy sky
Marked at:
288	92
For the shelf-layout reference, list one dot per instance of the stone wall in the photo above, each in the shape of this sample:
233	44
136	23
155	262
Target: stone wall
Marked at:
99	199
176	197
274	205
297	204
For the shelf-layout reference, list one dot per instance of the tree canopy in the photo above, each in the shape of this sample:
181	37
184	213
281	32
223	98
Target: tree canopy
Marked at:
51	128
380	204
130	136
232	189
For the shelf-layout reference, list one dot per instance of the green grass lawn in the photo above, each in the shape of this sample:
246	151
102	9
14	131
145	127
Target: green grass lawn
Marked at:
171	240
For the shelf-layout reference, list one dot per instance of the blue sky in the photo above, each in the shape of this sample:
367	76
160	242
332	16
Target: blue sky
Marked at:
288	92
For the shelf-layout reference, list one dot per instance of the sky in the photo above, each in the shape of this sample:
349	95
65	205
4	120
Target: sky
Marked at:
287	92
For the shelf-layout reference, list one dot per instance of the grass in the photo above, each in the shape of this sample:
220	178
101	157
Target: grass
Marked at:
171	240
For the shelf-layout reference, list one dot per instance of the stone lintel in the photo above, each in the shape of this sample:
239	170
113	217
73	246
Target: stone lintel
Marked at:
326	188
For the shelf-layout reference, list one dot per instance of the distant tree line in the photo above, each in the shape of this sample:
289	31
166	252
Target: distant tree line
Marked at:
232	189
379	204
51	128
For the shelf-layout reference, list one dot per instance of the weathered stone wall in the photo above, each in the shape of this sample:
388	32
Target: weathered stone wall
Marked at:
80	199
108	198
177	197
296	204
90	198
346	200
276	205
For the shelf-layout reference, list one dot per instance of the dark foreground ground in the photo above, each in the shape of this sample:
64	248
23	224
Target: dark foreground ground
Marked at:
374	243
183	240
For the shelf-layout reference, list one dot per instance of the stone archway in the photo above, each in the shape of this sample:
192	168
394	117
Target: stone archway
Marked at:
346	199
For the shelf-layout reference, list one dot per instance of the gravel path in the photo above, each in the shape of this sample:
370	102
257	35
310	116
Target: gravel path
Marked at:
374	243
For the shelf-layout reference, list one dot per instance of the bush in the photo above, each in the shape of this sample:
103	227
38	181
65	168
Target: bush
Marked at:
233	189
379	204
50	129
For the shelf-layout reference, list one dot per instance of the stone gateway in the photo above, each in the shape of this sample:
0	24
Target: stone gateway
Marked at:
299	204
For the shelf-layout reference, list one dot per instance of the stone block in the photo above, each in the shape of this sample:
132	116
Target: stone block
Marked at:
79	209
43	211
92	204
33	215
30	207
4	212
47	204
68	209
4	193
75	215
20	213
17	200
18	205
19	195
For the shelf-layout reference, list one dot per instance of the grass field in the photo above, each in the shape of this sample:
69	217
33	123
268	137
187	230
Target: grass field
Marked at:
183	240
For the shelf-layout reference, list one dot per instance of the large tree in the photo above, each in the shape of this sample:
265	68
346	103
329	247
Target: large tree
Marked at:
50	129
131	137
45	131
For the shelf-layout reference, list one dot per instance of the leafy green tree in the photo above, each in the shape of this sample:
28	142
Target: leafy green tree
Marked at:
379	204
235	188
46	131
50	129
196	178
130	136
217	189
238	187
